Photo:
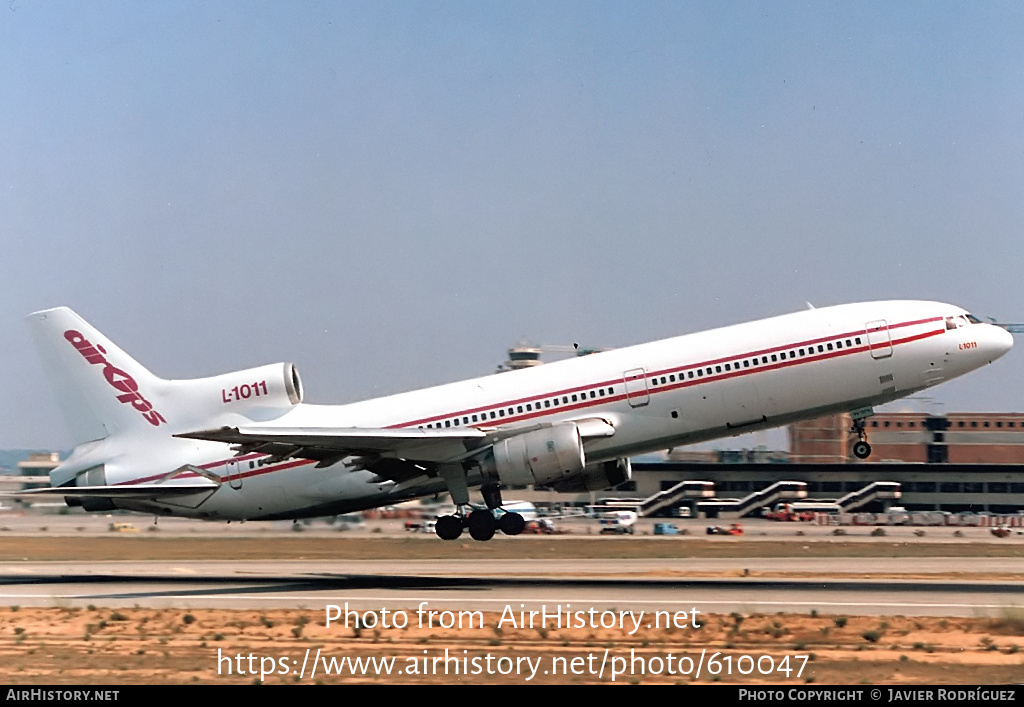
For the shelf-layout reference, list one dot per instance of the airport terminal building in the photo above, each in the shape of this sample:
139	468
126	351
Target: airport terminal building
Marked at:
956	462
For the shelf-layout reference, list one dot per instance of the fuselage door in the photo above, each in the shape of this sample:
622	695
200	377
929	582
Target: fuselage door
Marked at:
879	340
636	387
233	473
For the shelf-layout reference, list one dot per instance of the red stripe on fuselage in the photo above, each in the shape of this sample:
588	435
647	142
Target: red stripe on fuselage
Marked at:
591	402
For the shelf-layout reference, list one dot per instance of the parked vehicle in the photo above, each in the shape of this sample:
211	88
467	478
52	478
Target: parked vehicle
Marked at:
734	529
618	523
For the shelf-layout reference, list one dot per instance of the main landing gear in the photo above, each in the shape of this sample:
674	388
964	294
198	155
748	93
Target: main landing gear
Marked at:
481	523
861	448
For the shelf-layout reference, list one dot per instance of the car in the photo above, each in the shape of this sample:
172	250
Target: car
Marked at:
734	529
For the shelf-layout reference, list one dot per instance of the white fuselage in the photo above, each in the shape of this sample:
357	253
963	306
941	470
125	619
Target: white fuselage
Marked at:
667	393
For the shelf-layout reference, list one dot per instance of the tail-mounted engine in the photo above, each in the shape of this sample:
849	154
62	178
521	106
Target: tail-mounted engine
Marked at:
274	385
262	393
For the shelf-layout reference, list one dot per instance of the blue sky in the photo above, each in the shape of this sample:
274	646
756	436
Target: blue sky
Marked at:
390	194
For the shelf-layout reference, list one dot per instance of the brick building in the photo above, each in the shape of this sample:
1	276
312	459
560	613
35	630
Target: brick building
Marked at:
955	438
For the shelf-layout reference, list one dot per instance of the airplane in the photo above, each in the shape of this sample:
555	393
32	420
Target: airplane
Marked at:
244	445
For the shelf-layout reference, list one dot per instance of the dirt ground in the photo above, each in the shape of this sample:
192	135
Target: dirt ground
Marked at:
171	646
105	646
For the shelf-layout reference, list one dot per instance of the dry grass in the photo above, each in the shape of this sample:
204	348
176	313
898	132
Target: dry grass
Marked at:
132	646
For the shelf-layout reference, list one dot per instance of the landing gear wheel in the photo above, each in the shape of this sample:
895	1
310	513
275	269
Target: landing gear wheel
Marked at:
481	525
861	448
511	523
448	527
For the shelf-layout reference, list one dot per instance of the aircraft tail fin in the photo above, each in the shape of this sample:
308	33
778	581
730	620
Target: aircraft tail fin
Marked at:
100	388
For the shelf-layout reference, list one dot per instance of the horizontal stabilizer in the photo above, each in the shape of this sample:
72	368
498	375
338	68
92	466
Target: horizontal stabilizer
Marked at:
150	491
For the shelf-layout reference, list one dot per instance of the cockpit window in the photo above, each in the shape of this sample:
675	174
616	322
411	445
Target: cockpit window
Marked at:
961	320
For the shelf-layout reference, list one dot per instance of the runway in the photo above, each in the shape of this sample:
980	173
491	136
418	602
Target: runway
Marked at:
868	586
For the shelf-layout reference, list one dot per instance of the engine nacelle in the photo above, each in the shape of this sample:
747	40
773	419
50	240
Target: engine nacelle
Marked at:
275	383
597	477
262	393
545	456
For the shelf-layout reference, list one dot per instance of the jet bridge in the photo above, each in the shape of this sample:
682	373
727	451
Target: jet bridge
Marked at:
755	501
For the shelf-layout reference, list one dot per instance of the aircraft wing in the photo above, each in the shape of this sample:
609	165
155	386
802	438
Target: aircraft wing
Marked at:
332	444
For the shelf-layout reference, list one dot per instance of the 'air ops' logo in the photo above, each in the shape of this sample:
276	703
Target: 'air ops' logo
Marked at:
117	378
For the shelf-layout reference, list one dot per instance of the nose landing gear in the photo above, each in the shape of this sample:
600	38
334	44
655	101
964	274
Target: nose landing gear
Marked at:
861	448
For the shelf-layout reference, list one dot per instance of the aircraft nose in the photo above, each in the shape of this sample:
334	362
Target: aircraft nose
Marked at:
999	342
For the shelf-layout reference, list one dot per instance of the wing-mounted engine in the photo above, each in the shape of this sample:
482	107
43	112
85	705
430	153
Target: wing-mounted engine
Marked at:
597	477
544	456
